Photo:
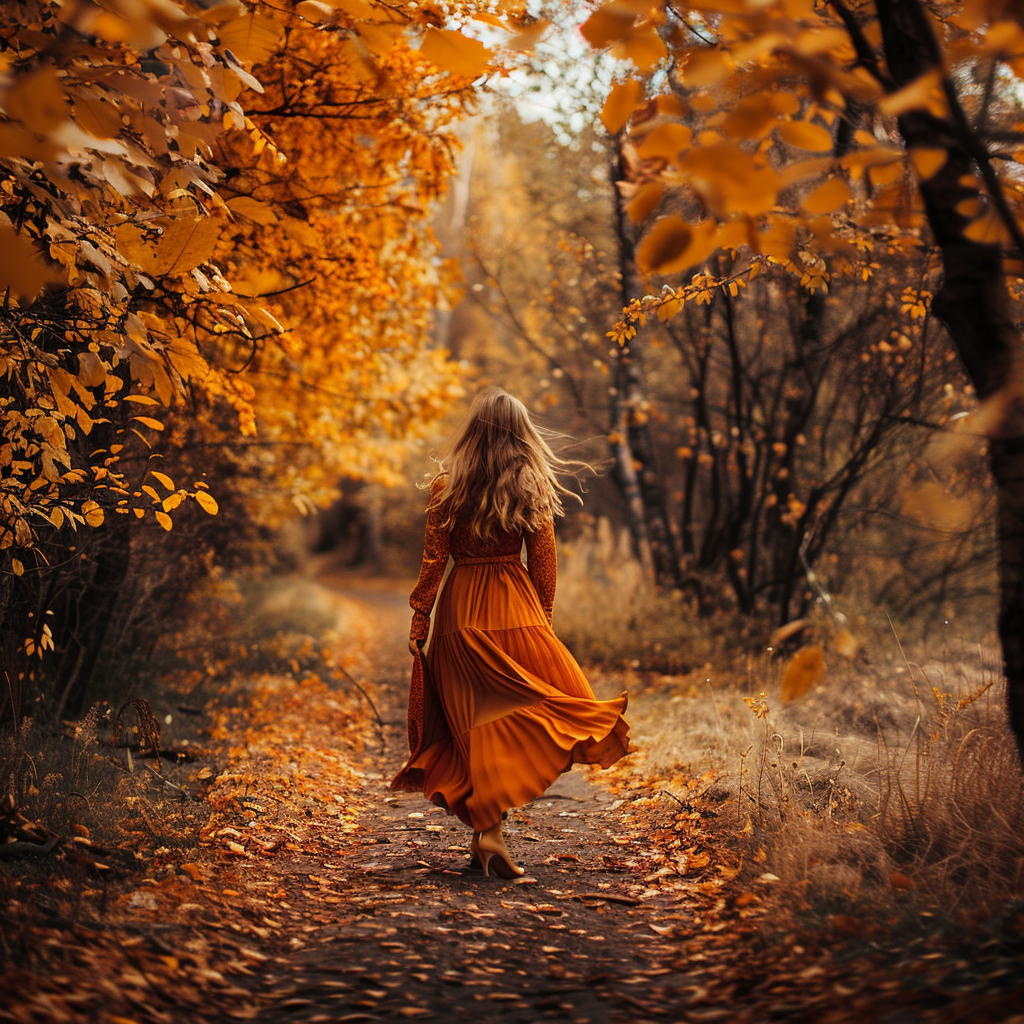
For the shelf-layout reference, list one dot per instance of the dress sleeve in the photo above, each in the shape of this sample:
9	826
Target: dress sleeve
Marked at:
542	564
435	561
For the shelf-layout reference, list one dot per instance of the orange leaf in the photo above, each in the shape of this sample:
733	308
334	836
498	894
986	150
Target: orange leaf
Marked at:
803	671
666	141
645	201
622	101
452	51
664	246
827	197
804	135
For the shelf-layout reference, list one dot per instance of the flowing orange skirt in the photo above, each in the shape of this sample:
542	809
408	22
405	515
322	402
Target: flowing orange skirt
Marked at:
506	709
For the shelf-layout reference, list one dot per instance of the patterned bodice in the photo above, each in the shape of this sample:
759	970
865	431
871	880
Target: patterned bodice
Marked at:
466	549
464	545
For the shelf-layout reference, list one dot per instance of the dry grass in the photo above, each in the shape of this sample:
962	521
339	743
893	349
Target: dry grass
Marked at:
890	792
607	614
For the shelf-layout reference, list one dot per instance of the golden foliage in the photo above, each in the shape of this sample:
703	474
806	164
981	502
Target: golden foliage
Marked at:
783	128
175	234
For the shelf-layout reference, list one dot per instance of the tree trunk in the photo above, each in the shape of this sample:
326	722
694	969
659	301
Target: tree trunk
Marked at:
636	470
92	610
973	304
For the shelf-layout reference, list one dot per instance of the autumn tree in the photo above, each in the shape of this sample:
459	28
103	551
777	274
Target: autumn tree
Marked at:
813	135
209	299
752	424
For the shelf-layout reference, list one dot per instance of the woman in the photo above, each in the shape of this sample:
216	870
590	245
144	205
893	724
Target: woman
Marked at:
504	709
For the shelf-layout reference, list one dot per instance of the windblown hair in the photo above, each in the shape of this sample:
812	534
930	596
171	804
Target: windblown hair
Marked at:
499	471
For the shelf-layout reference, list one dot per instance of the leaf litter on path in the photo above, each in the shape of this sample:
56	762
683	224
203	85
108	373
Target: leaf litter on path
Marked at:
315	894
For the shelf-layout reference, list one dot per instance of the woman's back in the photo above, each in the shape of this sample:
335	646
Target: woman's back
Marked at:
465	544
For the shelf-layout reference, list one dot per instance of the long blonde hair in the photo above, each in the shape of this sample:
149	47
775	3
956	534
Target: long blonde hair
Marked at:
499	470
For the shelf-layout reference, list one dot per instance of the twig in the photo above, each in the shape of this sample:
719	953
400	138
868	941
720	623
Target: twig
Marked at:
373	707
19	846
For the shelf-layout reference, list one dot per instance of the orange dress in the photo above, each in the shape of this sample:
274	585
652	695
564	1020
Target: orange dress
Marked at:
505	708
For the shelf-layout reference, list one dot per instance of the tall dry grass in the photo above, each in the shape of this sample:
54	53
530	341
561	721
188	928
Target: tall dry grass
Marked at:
608	614
891	791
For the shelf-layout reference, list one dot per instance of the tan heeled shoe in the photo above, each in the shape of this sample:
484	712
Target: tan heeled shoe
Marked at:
491	848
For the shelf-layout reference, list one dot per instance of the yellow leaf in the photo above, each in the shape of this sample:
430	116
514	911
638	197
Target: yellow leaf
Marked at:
804	135
452	51
148	421
643	46
314	11
827	197
163	519
927	162
37	100
253	209
623	99
706	66
613	21
207	502
185	243
251	38
17	568
988	229
163	478
171	502
753	117
664	246
97	117
141	399
92	513
875	156
666	141
526	40
730	180
924	93
645	201
802	672
22	269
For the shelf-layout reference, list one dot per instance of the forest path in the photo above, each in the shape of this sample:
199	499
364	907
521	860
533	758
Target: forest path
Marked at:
632	908
581	937
273	876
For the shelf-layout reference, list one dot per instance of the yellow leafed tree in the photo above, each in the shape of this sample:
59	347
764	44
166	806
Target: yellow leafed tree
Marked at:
816	135
218	277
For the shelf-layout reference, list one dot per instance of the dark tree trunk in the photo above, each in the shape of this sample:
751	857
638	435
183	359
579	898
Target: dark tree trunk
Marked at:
636	471
973	303
89	616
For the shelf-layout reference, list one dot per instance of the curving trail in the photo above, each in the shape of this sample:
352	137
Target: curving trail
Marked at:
274	877
580	937
626	913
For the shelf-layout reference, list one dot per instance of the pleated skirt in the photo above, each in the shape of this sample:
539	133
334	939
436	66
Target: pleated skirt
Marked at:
506	707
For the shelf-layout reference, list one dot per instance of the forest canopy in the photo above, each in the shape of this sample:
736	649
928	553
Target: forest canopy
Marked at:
218	274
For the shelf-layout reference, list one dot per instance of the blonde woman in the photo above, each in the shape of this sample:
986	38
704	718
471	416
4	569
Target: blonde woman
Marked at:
498	707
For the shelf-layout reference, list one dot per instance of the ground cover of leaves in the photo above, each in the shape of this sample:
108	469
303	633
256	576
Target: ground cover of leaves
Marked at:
310	892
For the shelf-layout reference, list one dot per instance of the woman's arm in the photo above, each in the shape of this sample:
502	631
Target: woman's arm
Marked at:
435	560
542	564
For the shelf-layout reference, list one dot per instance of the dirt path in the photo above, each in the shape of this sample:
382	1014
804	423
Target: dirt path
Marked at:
284	882
626	913
580	937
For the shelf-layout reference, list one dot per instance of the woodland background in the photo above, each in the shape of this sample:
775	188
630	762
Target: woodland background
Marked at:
758	264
